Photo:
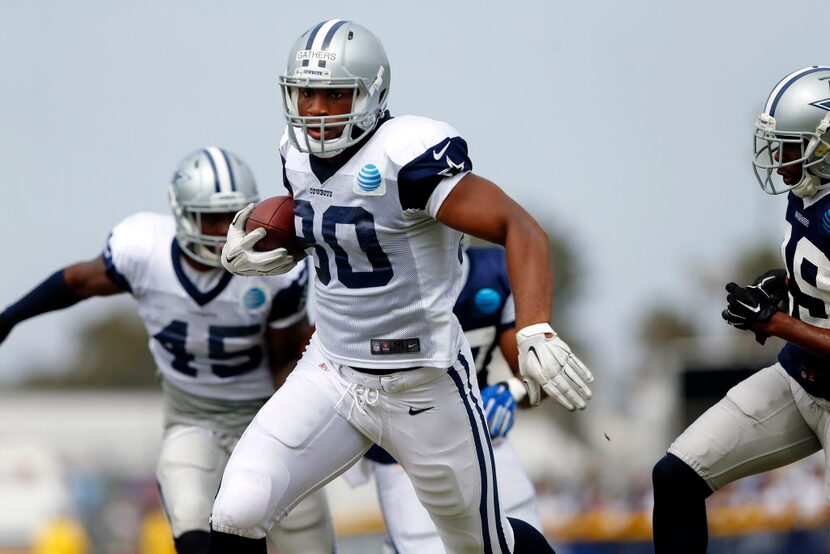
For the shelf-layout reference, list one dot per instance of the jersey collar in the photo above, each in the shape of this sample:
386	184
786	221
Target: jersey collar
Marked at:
820	195
201	298
325	169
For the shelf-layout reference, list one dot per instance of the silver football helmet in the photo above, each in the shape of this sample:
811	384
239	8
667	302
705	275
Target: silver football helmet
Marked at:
336	54
210	180
797	113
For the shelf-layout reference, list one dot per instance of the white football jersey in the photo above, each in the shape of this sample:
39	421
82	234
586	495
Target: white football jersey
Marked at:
388	272
206	329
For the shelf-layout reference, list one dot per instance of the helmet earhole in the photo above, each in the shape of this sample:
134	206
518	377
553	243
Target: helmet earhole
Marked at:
351	35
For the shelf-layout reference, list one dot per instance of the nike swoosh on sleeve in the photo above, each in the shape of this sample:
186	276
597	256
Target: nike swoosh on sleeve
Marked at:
438	155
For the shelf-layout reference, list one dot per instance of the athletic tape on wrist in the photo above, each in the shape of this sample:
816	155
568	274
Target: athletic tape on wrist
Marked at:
536	329
517	389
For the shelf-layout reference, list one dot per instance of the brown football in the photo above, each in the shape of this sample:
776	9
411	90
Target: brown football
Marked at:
276	216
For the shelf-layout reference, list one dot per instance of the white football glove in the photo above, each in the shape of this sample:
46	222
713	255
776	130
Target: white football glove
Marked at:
549	364
239	256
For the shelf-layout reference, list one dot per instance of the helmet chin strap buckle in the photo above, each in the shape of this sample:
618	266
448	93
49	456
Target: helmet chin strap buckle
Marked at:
808	186
367	122
823	125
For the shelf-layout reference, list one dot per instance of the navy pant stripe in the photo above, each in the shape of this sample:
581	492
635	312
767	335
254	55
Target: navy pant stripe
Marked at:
482	507
499	529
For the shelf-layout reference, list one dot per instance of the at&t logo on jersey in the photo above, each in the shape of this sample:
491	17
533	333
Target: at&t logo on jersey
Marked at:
254	299
369	181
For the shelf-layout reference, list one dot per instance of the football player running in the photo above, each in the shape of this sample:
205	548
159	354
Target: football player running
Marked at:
487	314
382	204
779	414
219	342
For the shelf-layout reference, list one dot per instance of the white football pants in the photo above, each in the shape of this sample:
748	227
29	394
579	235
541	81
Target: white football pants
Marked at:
325	417
764	422
409	527
188	472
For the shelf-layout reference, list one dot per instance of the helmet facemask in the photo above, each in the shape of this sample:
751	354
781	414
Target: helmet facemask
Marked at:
201	247
814	157
367	107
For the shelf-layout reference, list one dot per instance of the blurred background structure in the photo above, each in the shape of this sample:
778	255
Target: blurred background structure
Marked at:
623	127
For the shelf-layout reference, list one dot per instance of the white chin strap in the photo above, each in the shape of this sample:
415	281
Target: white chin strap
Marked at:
808	186
333	147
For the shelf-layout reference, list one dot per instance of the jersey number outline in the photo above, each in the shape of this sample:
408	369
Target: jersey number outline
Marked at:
804	261
364	226
173	338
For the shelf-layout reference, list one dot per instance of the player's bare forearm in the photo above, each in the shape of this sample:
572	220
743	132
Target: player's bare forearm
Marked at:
809	337
478	207
528	266
87	279
60	290
510	350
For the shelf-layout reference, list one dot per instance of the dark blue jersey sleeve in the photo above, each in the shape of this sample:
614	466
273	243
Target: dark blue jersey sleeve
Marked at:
418	179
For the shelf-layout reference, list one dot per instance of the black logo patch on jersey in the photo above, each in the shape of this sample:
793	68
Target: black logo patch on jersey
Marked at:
394	346
413	411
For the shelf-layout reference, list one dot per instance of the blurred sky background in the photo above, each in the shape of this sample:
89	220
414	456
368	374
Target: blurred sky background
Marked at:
624	127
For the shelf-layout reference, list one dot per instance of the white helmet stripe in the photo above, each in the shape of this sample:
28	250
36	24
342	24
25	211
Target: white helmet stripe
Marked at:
221	167
323	38
322	33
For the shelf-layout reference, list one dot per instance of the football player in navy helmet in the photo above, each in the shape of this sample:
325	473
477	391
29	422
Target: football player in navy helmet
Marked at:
779	414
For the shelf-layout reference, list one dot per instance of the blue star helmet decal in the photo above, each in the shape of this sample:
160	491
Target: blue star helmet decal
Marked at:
823	104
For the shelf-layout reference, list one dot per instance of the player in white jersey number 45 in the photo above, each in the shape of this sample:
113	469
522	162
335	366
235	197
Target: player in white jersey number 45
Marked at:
219	341
382	203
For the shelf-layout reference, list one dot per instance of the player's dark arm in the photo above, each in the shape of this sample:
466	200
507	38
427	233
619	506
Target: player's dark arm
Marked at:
285	346
510	350
809	337
60	290
478	207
